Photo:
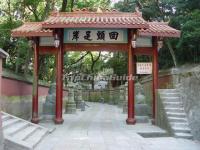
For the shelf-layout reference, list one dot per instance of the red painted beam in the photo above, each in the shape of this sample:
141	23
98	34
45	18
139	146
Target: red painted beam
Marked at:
59	80
131	101
47	50
155	77
95	47
35	118
143	51
84	47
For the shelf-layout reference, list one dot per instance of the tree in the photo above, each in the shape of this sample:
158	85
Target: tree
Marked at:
181	14
94	61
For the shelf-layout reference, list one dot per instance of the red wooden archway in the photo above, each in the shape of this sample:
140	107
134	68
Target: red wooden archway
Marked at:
57	22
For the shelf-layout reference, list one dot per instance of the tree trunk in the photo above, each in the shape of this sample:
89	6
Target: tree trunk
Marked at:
27	62
92	66
17	62
72	5
64	6
47	9
172	52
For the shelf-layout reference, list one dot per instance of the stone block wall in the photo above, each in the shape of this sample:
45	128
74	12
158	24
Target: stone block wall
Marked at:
189	87
165	81
16	96
187	81
20	106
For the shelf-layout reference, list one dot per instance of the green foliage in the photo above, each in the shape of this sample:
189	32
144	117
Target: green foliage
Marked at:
182	14
119	63
98	95
126	6
92	4
189	42
14	12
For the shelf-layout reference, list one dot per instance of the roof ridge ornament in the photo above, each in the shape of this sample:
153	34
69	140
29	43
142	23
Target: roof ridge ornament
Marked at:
80	10
54	13
99	10
138	12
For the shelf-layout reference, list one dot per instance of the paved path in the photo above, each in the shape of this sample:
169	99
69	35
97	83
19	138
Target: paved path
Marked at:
102	127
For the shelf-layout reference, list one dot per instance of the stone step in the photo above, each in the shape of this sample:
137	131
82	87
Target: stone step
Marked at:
183	135
15	128
181	130
36	137
180	115
168	91
173	104
171	99
5	117
25	133
174	110
179	124
176	119
18	132
169	94
9	123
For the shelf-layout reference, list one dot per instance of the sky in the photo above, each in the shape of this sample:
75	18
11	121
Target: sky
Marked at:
114	1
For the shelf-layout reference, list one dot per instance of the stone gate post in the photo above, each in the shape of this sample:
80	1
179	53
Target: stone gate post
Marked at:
70	107
125	105
3	54
121	96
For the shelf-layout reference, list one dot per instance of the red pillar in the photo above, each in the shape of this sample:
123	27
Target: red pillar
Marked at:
59	79
35	118
131	101
155	77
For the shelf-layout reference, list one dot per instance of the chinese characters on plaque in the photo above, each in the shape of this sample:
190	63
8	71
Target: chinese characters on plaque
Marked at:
144	68
95	36
81	35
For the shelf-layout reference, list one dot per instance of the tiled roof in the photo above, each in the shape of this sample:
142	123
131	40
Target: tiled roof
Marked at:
85	19
159	29
30	29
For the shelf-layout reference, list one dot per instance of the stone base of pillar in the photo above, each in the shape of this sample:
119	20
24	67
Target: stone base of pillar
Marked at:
58	121
35	120
130	121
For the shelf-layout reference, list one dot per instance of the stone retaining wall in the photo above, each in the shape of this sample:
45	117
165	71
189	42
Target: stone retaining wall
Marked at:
20	106
189	86
16	94
165	81
187	81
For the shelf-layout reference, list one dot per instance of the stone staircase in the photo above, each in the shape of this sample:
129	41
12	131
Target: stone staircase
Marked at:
175	113
20	134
